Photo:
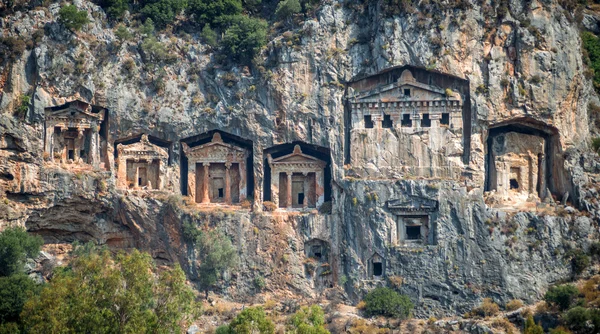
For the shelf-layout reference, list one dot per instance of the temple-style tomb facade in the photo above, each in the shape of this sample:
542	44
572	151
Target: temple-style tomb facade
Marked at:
141	165
407	105
216	172
73	133
297	180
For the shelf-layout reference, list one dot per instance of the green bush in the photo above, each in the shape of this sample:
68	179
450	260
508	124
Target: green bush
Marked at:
582	319
244	38
11	48
591	43
387	302
72	18
16	245
579	260
531	327
562	296
307	320
123	34
116	8
153	51
14	291
209	36
252	320
102	293
163	12
596	148
217	254
214	12
287	8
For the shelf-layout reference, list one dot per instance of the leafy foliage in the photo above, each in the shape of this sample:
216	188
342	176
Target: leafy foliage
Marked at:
308	320
561	296
217	254
209	36
163	12
591	43
100	293
72	18
579	260
244	38
116	8
16	245
531	327
387	302
583	320
214	12
123	34
251	320
287	8
14	291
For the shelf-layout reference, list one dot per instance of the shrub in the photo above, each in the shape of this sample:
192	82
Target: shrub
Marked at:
16	245
287	8
581	319
514	304
387	302
216	254
596	145
308	320
72	18
251	320
561	296
591	43
531	327
244	38
579	260
11	48
153	51
214	12
102	293
14	291
259	283
148	27
163	12
487	308
560	330
123	34
116	8
209	36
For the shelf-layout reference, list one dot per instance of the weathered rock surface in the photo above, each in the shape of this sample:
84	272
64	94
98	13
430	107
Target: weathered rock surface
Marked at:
515	70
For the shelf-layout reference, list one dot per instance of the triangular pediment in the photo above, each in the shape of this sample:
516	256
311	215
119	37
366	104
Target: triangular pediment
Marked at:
74	111
297	157
395	92
145	146
413	203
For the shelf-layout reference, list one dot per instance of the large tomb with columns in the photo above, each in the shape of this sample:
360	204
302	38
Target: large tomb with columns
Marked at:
297	180
216	171
75	133
141	165
408	121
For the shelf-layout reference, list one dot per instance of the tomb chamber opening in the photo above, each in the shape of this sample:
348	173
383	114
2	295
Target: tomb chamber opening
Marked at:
142	163
76	132
524	161
216	167
297	176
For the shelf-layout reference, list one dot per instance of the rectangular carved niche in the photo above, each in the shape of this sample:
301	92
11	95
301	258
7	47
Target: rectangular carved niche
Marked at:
412	229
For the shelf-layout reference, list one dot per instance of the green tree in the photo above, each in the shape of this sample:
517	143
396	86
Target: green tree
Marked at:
214	12
72	18
287	8
561	296
100	293
250	321
148	27
123	34
14	291
16	245
216	254
308	320
209	36
531	327
244	38
387	302
163	12
583	320
116	8
591	43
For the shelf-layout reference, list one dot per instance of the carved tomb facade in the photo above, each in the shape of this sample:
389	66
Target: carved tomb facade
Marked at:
141	165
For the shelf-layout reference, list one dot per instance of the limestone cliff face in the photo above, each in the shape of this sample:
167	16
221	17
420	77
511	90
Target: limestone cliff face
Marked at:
524	64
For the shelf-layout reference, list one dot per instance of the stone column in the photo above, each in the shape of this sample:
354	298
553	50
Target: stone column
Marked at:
319	188
49	141
191	181
243	181
288	190
136	183
305	190
275	187
542	176
95	148
122	171
206	184
227	183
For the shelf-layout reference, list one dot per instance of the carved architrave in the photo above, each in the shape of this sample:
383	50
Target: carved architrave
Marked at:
412	205
216	151
296	162
142	150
